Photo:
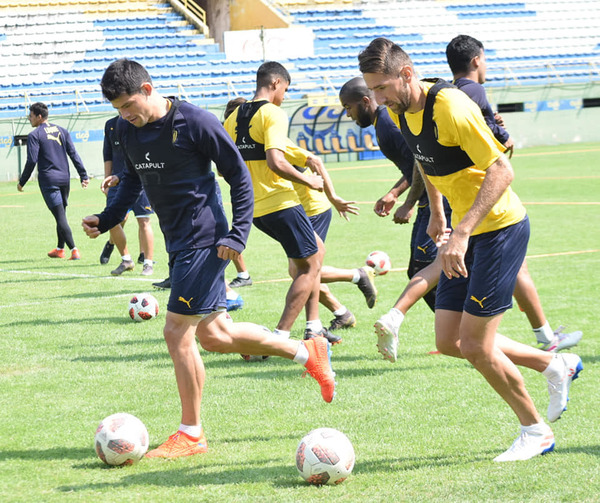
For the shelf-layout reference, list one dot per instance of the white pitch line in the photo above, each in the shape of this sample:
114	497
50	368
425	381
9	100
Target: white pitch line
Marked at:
65	275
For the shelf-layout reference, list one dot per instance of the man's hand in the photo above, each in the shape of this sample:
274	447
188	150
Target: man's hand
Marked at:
108	182
226	253
510	146
343	207
90	226
452	255
315	182
84	183
384	205
19	187
403	214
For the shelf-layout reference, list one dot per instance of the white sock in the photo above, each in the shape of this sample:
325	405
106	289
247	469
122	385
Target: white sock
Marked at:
282	333
126	257
231	295
243	275
535	429
301	354
314	325
356	276
192	431
397	315
555	369
341	311
74	249
147	261
544	334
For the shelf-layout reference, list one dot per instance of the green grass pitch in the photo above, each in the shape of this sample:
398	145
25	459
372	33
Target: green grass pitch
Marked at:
423	429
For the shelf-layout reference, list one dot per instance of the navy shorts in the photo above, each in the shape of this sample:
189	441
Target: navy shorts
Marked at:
56	196
197	282
493	260
292	229
141	208
320	223
422	247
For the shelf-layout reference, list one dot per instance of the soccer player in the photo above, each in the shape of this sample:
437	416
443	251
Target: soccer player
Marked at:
48	146
169	146
259	129
360	105
114	164
466	58
317	206
481	256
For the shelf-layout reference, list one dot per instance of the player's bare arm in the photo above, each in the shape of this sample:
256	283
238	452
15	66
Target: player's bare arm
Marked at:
343	207
405	211
437	228
278	164
497	179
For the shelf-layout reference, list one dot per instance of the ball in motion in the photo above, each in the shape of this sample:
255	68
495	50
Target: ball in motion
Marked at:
379	261
121	439
143	306
325	456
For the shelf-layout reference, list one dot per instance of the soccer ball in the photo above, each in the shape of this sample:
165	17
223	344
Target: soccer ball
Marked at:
325	456
142	307
379	261
121	439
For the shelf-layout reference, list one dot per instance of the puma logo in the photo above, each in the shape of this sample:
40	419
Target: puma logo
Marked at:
188	301
480	302
55	138
423	249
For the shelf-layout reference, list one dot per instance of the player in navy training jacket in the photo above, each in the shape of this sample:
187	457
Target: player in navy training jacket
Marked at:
169	146
48	146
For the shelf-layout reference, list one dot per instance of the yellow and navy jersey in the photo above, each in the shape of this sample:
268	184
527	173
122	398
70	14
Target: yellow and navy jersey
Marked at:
459	123
268	126
313	201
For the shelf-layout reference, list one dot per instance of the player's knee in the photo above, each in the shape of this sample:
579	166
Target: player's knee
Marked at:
216	342
448	347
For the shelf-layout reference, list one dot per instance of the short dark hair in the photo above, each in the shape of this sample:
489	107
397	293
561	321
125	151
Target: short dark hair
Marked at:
232	105
460	51
123	76
355	90
269	71
383	56
39	108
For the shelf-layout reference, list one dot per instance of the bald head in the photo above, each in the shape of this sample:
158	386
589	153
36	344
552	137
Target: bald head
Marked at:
359	102
354	91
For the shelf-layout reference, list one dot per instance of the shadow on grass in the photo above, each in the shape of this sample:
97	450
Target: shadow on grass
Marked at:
283	475
120	320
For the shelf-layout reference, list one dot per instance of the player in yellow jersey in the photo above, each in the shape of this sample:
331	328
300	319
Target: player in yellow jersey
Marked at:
259	129
481	256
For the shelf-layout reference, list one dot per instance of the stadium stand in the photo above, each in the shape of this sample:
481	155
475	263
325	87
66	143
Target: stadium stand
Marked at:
80	38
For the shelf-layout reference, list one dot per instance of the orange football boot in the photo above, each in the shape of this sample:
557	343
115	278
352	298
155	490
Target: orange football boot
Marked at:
319	365
180	444
56	253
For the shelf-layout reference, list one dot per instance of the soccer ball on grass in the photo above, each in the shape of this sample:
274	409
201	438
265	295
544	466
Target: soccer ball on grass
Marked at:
325	456
121	439
143	306
379	261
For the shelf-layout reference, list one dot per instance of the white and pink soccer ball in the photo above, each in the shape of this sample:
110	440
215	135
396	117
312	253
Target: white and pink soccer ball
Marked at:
379	261
143	306
121	439
325	456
